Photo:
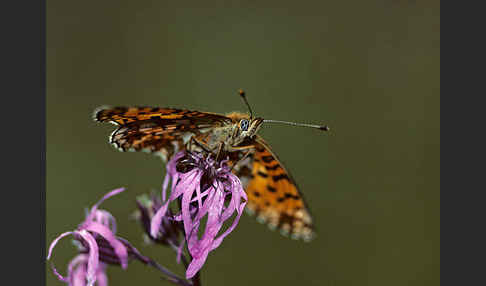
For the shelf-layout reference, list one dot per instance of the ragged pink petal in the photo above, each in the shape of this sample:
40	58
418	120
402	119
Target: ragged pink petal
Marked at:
188	182
164	187
105	218
220	238
78	277
179	251
93	256
80	259
195	265
108	195
55	241
101	279
156	221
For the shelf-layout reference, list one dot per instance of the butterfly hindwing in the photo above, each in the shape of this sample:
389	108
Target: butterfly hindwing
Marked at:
273	195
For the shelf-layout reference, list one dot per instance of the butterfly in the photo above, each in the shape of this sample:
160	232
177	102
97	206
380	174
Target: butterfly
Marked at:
273	195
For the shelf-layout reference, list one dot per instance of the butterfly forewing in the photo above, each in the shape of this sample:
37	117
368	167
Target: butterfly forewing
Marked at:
153	129
273	196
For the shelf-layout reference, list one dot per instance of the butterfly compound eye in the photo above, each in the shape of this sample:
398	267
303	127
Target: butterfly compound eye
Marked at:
244	124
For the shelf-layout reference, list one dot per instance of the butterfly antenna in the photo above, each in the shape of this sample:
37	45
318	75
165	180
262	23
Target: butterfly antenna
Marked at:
320	127
243	95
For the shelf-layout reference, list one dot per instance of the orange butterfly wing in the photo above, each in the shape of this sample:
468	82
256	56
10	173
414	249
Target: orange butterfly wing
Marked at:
155	129
273	195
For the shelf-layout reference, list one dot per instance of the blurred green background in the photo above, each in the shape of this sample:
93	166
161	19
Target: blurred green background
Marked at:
368	69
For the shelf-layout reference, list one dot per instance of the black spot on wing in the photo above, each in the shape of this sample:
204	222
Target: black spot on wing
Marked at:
267	159
259	148
281	177
289	195
271	189
273	168
264	175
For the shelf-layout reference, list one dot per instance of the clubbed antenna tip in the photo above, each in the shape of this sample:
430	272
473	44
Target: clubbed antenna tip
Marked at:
324	128
243	96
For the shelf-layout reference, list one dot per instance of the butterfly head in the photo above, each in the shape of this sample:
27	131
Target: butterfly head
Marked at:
249	127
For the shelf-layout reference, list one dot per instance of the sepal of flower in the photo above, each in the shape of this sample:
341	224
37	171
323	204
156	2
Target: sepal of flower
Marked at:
202	186
99	245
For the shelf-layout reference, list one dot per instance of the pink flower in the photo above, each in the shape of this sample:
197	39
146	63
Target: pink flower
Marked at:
98	245
204	187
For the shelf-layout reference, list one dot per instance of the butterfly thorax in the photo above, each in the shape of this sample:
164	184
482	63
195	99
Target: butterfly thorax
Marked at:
231	136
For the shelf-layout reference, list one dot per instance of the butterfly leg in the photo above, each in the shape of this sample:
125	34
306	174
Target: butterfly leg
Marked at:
250	148
219	154
242	159
197	143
